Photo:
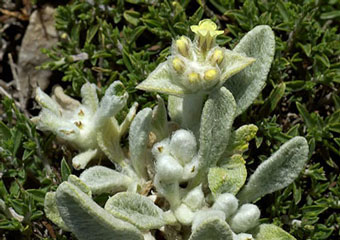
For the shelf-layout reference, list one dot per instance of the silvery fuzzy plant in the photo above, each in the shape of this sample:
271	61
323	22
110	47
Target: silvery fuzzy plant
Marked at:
183	179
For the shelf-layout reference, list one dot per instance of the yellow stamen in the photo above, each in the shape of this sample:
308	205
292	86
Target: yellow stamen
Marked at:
178	65
217	57
193	77
210	75
183	46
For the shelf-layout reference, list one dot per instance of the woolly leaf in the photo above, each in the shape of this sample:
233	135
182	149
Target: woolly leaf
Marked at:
108	139
112	102
138	140
240	139
216	122
104	180
175	108
89	97
228	178
233	63
278	171
136	209
80	184
160	81
259	43
81	160
160	120
52	212
87	220
272	232
212	228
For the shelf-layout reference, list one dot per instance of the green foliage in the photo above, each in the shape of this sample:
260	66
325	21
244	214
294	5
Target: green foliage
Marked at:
23	169
126	40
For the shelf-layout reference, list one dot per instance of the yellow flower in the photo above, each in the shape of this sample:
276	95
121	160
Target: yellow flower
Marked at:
206	33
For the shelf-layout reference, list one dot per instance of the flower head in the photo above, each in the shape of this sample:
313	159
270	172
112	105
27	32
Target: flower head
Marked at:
206	33
84	125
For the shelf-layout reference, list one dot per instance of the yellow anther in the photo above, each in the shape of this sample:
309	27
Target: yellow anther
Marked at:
81	113
178	65
63	36
182	45
216	57
79	124
210	75
193	77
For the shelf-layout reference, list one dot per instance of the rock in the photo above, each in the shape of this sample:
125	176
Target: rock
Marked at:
40	33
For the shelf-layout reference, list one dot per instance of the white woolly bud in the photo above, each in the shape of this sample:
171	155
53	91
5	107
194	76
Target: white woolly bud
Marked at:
203	215
227	203
168	169
184	214
243	236
195	198
190	169
161	148
183	145
245	218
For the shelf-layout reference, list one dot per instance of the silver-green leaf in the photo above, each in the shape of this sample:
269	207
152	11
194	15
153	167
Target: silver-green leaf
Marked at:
104	180
216	122
160	120
259	43
138	141
229	178
136	209
87	220
160	81
272	232
212	228
278	171
52	212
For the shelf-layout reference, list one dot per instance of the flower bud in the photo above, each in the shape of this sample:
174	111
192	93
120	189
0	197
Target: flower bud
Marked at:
210	75
243	236
216	57
168	169
205	214
178	65
182	45
245	218
227	203
184	214
183	145
193	77
195	198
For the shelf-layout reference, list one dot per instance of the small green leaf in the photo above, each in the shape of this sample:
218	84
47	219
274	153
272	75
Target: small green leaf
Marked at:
278	171
240	139
273	99
136	209
330	15
132	17
159	125
272	232
305	114
65	170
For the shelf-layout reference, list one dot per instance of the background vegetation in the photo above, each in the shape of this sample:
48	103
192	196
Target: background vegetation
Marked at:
126	40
